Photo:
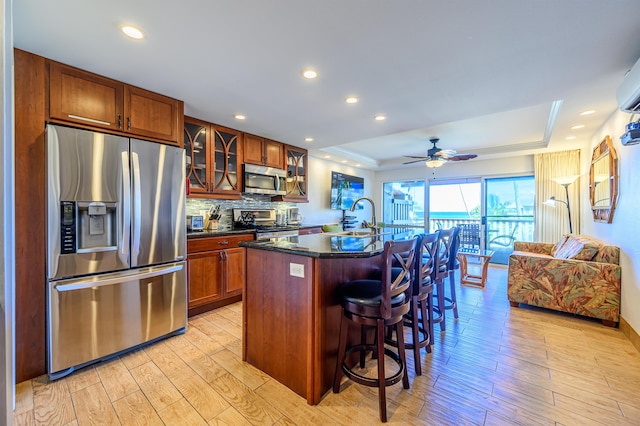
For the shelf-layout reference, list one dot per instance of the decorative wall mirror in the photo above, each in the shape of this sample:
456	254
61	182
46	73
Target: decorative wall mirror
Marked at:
603	181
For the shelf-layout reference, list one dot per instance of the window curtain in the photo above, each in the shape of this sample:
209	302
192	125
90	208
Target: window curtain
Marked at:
553	222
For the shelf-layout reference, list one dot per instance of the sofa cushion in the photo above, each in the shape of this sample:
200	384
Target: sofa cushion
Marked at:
559	244
531	254
579	248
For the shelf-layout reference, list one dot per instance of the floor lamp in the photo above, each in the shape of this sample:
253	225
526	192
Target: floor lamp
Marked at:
564	181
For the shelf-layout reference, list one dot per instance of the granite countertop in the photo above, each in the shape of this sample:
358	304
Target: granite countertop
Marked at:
218	233
230	231
334	245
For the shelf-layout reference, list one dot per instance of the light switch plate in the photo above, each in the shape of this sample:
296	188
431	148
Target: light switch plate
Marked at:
296	270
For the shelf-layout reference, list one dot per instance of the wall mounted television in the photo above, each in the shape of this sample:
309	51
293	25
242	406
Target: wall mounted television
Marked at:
345	189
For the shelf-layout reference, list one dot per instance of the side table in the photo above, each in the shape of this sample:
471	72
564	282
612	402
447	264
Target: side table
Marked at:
483	256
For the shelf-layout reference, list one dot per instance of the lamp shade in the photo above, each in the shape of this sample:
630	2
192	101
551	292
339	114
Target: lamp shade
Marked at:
566	180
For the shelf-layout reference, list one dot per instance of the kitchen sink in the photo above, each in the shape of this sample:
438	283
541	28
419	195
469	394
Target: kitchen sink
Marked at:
361	234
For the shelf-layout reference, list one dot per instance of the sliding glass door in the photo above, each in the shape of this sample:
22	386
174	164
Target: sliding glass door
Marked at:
509	208
454	202
502	208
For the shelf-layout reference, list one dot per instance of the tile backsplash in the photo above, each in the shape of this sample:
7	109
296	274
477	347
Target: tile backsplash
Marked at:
196	206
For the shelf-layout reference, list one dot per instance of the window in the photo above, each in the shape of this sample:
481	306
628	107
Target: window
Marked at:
403	203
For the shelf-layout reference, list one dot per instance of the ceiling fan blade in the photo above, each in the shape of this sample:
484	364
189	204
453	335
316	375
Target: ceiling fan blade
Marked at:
416	156
461	157
445	153
416	161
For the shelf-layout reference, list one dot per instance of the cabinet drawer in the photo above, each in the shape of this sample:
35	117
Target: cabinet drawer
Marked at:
195	245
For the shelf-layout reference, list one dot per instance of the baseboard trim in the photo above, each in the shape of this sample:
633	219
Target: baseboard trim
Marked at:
631	334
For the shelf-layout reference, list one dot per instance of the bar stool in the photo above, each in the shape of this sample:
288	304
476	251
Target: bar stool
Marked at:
420	315
445	240
380	304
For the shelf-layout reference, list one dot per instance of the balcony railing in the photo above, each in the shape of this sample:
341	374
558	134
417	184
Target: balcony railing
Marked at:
496	227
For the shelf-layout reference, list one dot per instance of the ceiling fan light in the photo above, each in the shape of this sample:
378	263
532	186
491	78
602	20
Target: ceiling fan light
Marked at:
434	163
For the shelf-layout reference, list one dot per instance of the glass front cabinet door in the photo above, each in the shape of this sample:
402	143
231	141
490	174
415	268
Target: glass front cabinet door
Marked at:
227	155
212	160
296	167
197	161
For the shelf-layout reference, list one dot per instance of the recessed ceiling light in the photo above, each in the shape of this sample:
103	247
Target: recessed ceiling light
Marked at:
327	156
309	73
239	117
380	117
570	138
589	112
344	161
577	126
308	139
351	100
132	32
358	165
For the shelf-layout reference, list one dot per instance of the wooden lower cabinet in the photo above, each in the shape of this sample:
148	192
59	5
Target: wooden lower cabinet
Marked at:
215	271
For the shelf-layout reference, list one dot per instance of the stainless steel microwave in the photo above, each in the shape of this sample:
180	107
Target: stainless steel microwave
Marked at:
264	180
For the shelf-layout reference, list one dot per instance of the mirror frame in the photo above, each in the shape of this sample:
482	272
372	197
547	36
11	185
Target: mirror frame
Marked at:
604	213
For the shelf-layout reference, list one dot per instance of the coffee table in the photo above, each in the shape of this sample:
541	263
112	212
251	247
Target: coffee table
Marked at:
483	257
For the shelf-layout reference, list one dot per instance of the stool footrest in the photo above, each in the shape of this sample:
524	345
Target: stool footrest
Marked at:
424	341
368	381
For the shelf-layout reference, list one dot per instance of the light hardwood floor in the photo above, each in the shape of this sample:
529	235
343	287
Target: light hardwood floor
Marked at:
496	365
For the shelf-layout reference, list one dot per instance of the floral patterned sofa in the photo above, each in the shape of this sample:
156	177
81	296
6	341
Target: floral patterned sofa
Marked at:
579	275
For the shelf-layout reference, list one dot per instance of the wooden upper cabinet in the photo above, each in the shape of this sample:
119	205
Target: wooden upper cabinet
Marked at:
96	102
263	152
152	115
274	154
85	98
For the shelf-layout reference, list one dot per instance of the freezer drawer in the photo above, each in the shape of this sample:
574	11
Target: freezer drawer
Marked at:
97	316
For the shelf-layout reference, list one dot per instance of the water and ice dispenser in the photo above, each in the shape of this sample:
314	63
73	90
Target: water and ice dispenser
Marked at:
88	226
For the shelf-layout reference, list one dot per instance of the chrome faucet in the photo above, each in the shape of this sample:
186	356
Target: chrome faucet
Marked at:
374	224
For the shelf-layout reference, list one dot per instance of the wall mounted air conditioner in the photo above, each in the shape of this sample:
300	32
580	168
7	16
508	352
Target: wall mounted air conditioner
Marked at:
628	93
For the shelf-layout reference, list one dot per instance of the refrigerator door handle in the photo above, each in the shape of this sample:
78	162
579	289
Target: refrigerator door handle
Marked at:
81	284
123	244
137	209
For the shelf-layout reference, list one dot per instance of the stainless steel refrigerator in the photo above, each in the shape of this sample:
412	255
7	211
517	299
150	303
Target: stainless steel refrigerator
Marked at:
116	229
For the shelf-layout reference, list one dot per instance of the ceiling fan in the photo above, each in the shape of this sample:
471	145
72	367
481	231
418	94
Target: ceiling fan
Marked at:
436	157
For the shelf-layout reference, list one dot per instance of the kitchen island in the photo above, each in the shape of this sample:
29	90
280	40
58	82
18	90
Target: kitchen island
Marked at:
291	313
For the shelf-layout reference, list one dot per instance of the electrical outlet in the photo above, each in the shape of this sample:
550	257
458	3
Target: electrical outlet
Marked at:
296	270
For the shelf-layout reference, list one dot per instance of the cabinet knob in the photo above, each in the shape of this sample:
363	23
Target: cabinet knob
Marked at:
128	123
223	243
119	121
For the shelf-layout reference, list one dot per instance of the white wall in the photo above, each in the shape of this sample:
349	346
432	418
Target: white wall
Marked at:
624	231
318	210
